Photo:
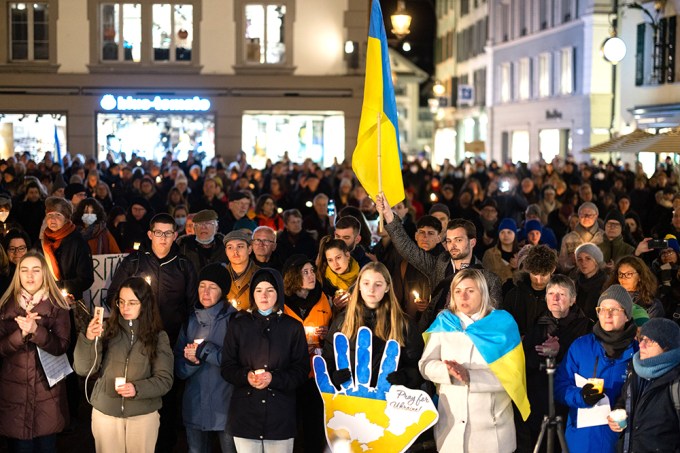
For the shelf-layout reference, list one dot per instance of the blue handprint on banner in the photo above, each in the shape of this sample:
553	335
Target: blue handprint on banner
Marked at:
381	418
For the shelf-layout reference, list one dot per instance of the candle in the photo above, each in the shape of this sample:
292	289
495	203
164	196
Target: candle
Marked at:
136	245
416	296
235	303
433	197
159	179
64	293
119	382
148	280
199	340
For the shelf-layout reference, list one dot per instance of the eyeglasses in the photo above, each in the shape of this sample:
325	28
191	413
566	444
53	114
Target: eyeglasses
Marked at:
587	216
609	311
123	303
647	341
627	275
159	233
262	241
20	249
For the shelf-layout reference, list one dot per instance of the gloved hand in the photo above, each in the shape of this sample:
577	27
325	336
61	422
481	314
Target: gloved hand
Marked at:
397	378
339	377
590	395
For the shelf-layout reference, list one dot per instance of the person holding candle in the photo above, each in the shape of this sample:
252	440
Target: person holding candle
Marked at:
198	357
336	270
605	355
265	358
306	302
650	394
132	354
33	315
374	305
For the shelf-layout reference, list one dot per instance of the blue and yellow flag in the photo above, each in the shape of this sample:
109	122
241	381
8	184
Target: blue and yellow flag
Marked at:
497	339
378	99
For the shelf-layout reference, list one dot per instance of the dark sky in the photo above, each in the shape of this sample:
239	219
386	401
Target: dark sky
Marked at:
423	30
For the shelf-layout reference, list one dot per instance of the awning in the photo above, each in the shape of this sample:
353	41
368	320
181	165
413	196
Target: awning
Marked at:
668	142
615	144
477	147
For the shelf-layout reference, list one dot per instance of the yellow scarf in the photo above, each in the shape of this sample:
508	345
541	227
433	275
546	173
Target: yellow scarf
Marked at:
343	281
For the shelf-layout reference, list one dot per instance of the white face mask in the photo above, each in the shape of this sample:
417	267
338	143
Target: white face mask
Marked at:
4	215
89	219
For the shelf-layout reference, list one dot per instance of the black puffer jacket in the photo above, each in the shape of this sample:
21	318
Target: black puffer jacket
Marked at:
653	422
524	303
275	343
173	281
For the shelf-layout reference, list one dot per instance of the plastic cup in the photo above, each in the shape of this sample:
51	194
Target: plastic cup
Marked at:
119	382
598	384
620	417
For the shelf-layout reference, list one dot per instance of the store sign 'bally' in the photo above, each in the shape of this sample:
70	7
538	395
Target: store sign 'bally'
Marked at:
157	103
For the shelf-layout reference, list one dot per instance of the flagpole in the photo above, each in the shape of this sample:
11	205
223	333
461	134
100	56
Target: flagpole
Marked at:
380	189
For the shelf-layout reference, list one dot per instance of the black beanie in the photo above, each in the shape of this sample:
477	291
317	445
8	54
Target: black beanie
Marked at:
271	276
614	214
216	273
663	331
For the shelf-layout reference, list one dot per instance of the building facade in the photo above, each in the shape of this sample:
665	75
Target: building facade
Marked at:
152	76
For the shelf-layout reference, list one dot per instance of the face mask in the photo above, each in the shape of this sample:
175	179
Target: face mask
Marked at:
4	215
266	312
180	221
89	219
205	242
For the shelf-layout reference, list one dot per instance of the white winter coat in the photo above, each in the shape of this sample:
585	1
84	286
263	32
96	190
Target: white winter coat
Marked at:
476	418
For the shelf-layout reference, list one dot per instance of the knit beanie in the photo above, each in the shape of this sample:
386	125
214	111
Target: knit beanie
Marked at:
589	205
620	295
590	249
663	331
614	214
440	207
507	224
640	315
672	242
57	204
216	273
72	189
533	225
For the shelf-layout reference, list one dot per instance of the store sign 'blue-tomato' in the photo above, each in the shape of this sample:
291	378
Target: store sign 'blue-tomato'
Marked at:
361	418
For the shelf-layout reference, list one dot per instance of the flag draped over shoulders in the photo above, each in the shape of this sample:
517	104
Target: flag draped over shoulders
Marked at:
497	339
378	100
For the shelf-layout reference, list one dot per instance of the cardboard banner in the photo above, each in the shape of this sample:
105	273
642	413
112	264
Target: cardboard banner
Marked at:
360	418
104	268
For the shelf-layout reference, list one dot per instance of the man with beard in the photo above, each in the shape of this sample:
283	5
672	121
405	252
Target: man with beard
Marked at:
205	246
348	229
461	237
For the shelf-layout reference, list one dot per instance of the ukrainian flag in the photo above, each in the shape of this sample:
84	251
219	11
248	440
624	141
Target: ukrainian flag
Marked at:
378	99
497	339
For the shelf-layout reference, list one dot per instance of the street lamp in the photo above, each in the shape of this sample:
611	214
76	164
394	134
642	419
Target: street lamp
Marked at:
401	20
438	89
613	48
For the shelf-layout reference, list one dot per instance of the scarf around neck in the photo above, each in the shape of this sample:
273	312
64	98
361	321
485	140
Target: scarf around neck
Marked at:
28	301
51	242
344	281
657	366
615	343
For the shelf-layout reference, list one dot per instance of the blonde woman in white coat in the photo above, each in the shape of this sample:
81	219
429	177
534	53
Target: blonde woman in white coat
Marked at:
475	400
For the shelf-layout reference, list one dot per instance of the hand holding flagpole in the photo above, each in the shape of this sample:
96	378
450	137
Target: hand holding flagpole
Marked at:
380	189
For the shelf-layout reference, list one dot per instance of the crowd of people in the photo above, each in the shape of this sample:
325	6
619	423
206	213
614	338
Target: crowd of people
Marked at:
235	278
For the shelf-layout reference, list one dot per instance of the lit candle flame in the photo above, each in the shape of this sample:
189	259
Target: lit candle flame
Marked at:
433	197
64	293
148	280
136	245
416	295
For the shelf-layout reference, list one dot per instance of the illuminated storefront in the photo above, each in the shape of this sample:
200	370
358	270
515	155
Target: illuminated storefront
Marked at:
36	133
153	125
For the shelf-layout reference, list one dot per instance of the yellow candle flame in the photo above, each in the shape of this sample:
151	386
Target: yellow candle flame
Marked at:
64	292
416	295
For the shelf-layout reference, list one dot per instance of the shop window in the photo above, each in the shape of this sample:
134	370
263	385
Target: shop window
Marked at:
144	35
30	40
264	32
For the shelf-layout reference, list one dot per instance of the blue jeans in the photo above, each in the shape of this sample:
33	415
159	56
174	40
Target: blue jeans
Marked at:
44	444
201	441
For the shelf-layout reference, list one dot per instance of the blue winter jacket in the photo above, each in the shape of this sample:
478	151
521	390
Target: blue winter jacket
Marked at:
580	359
205	404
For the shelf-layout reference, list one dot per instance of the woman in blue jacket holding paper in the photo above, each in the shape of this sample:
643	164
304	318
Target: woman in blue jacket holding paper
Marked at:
602	358
198	358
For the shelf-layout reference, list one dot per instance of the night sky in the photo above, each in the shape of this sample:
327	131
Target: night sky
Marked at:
423	31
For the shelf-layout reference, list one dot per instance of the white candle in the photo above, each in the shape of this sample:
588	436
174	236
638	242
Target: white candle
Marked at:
119	382
199	340
136	245
235	303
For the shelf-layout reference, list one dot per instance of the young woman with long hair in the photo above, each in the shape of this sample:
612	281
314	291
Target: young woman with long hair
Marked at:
33	314
336	270
135	364
373	304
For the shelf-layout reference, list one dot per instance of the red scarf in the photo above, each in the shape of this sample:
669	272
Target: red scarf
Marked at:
51	242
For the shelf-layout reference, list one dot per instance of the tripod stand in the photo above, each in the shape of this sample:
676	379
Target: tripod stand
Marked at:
551	422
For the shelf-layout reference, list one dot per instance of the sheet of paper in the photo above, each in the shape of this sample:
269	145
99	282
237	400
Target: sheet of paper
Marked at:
56	367
592	416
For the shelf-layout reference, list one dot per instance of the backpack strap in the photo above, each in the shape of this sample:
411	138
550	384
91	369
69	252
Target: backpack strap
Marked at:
675	395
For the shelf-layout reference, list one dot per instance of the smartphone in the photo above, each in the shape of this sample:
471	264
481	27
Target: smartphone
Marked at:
99	314
657	244
331	208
